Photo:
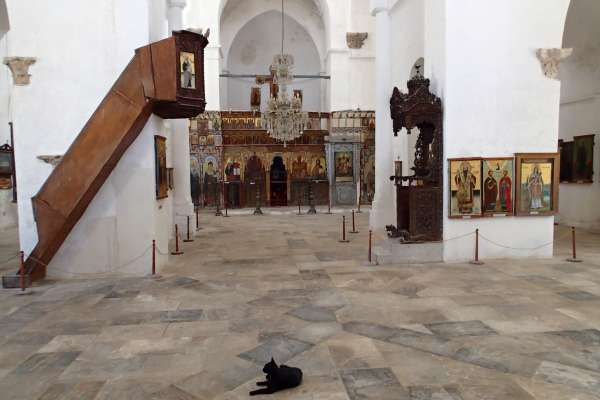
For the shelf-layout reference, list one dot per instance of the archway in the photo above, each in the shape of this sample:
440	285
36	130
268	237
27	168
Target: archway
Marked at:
278	187
579	118
252	50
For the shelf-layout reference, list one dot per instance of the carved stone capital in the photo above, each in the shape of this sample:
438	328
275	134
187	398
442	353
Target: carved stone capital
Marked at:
551	58
50	159
355	40
19	66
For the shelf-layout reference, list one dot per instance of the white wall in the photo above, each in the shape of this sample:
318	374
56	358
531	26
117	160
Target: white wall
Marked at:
252	52
497	101
580	102
81	49
117	229
8	210
408	23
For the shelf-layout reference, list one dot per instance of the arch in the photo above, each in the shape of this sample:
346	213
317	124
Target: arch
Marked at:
252	50
234	14
580	99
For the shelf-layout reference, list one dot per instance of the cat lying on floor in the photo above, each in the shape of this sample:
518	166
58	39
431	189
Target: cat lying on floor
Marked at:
278	378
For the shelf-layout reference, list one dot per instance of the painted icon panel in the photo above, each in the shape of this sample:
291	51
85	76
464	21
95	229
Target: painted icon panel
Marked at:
344	169
498	186
187	65
465	188
583	159
160	159
537	184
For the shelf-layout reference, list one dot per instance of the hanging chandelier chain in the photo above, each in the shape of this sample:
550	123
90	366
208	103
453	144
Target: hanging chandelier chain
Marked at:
284	119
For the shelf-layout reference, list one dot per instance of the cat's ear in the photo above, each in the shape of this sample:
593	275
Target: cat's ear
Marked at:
272	360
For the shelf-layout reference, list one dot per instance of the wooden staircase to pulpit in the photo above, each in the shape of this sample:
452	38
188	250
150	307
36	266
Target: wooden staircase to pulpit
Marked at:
151	83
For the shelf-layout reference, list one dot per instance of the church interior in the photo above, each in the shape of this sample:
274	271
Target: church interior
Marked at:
309	199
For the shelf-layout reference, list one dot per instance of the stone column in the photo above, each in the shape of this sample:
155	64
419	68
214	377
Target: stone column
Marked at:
384	211
180	141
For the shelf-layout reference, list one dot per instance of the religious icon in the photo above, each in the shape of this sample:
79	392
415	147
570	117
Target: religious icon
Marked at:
319	168
344	170
255	98
187	70
210	177
298	94
465	184
498	186
537	184
299	169
232	170
160	160
583	159
566	160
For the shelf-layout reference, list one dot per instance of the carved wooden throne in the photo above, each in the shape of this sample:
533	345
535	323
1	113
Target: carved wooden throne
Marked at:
419	199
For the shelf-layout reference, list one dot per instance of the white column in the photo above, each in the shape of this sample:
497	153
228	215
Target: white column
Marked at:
175	14
383	212
182	202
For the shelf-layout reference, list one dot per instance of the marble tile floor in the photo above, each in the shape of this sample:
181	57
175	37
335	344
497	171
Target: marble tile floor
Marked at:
250	288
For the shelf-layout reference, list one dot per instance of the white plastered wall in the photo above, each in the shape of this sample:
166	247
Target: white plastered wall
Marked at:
580	102
81	49
497	102
8	209
408	20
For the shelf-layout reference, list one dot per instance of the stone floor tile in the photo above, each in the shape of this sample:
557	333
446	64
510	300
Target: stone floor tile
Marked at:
376	384
460	328
280	348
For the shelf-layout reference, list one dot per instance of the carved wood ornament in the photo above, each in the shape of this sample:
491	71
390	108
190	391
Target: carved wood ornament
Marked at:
420	195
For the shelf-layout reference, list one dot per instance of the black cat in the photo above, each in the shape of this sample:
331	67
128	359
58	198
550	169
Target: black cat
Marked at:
278	378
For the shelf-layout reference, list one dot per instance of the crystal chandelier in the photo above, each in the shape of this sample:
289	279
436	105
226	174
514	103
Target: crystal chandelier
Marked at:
284	119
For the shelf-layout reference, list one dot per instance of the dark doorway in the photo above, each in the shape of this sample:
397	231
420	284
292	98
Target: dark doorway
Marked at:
278	183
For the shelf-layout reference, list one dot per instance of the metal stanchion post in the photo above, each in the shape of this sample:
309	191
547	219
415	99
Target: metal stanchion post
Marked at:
573	259
176	252
353	224
218	196
311	198
22	270
197	218
370	244
153	257
344	230
476	261
257	210
188	239
225	202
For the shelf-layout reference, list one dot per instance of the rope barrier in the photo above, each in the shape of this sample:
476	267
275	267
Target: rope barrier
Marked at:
524	248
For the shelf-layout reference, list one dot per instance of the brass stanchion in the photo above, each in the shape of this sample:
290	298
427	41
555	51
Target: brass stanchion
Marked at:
573	259
257	210
153	257
311	198
197	218
188	239
370	244
218	196
344	240
176	252
353	224
476	261
22	270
